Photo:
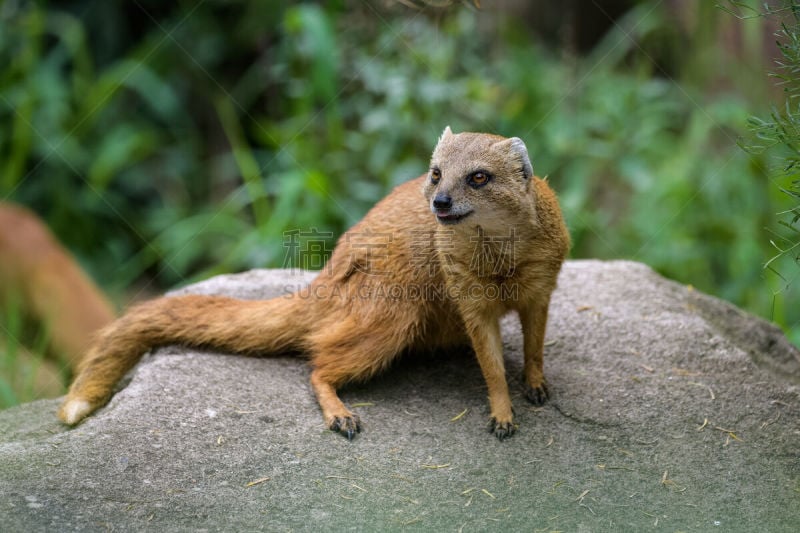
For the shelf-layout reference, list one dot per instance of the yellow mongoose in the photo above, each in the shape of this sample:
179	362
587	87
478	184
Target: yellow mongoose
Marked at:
411	275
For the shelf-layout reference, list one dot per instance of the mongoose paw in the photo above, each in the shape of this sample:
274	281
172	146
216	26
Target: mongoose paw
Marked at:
501	430
348	425
537	395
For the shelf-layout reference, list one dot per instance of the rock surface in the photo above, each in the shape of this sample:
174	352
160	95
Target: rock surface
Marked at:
670	410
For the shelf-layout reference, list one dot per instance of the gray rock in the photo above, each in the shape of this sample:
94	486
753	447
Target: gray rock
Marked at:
670	410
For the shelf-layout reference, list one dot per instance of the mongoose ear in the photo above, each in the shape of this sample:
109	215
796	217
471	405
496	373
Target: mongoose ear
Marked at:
515	148
446	133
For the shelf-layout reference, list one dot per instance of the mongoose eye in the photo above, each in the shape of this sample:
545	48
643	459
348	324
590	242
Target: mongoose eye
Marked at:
436	175
478	179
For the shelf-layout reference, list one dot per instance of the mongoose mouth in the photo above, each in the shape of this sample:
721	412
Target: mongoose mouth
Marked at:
451	218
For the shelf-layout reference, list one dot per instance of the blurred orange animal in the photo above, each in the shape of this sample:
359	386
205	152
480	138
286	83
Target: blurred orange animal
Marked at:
52	291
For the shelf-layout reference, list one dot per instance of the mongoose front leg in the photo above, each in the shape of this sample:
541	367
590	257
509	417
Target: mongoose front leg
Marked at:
534	321
484	333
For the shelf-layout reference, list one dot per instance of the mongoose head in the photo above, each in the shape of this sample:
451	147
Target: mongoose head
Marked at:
477	179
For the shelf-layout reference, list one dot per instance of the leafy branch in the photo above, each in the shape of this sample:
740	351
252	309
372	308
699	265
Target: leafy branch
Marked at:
780	133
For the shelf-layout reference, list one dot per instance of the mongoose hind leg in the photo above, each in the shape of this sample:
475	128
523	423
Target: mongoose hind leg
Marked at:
534	321
346	353
337	417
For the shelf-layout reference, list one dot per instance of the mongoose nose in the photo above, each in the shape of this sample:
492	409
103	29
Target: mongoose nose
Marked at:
442	201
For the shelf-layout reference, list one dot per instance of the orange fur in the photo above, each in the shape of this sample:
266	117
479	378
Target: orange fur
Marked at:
398	280
52	288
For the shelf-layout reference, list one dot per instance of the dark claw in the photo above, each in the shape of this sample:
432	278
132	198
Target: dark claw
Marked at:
501	430
348	426
537	395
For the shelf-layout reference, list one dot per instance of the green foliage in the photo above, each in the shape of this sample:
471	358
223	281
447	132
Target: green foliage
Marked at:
164	144
782	131
779	137
21	354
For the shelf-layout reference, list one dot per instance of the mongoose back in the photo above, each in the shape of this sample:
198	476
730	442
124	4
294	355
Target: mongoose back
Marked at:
436	263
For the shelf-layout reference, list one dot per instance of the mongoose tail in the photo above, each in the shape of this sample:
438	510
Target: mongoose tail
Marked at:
228	324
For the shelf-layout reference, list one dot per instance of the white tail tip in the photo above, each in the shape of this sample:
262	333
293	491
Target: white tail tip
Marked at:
73	411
